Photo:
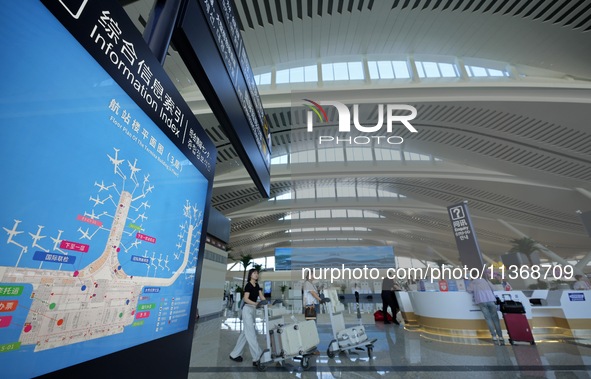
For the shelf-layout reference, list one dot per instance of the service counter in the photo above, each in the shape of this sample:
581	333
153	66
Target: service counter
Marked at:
406	307
560	312
566	309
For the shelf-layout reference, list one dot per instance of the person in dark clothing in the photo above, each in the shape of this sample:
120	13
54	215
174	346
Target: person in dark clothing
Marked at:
389	300
252	292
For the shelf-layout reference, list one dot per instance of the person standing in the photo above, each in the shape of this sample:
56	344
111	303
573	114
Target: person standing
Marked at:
252	291
484	296
310	294
389	300
231	297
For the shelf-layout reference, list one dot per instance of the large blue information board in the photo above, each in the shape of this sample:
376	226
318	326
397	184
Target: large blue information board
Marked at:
101	213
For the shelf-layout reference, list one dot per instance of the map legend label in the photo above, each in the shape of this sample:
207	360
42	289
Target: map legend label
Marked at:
11	290
146	238
80	247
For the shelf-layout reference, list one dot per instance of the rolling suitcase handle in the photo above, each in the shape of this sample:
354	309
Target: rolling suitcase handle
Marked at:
511	306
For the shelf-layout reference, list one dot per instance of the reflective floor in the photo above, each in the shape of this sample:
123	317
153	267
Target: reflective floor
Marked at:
399	352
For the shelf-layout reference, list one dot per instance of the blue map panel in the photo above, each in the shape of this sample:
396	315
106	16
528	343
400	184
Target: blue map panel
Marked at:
101	215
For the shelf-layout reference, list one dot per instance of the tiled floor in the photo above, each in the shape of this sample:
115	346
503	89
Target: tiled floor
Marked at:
398	353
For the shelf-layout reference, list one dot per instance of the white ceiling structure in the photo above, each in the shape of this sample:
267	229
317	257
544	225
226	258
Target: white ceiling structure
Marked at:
516	147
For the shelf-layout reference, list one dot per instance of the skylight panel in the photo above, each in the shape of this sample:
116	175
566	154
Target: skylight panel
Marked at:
327	72
339	213
355	70
354	213
341	72
282	76
401	70
448	70
330	155
265	79
431	70
327	191
307	214
420	70
370	214
359	154
305	193
372	66
346	191
323	213
384	193
296	75
387	155
386	71
311	73
279	160
366	192
493	72
285	196
477	71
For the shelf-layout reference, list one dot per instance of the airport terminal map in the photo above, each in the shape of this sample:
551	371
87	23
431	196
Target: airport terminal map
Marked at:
101	215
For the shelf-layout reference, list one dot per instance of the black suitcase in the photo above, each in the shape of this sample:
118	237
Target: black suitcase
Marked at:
511	306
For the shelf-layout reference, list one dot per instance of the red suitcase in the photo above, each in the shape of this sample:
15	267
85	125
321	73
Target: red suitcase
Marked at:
515	320
518	328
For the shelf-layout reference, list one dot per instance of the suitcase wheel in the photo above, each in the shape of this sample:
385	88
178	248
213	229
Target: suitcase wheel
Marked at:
330	352
305	362
260	366
511	341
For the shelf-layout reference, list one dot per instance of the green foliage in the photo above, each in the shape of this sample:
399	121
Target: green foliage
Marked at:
257	267
245	260
283	288
524	245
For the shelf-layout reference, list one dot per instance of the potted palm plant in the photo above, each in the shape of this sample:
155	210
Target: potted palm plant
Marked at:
524	245
528	246
283	288
245	260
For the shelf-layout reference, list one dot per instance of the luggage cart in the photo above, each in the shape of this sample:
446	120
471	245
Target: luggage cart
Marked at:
346	339
274	327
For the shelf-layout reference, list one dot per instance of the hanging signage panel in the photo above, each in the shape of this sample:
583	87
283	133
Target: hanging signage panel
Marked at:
103	199
208	50
228	11
110	37
465	236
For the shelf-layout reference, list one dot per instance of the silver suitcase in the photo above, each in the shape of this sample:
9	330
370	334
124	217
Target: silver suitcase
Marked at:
352	336
299	338
276	345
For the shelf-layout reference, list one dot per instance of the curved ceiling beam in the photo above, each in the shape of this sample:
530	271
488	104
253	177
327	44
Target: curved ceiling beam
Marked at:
551	91
383	169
